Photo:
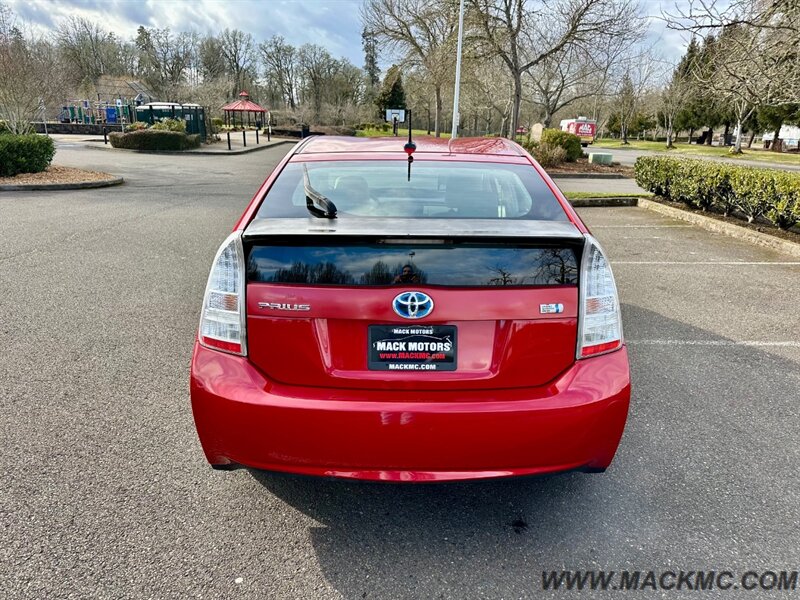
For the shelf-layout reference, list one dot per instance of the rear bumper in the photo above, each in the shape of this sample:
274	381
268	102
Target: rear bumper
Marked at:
573	423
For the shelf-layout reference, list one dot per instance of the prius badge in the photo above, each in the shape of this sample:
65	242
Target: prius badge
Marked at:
412	305
284	306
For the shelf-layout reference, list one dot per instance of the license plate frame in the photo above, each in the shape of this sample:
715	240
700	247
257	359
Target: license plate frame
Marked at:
412	348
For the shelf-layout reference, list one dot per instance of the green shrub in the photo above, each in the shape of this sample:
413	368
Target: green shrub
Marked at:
4	128
170	125
570	142
529	144
754	191
698	183
136	126
548	155
656	174
785	211
718	180
154	140
724	186
25	154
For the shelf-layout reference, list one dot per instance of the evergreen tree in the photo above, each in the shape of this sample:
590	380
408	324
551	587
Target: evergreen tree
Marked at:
371	68
772	118
690	117
392	94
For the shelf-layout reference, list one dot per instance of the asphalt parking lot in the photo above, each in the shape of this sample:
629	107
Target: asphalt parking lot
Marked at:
105	492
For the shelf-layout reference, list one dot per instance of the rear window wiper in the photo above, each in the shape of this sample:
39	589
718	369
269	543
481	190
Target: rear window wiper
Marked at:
317	204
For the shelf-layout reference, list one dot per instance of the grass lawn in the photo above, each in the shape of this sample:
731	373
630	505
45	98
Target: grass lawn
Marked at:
581	195
401	133
682	148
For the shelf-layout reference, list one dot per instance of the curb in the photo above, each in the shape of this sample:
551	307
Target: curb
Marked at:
729	229
255	148
601	202
200	152
587	176
78	185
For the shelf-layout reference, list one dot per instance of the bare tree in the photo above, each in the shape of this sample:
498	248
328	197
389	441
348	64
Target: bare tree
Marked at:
524	33
755	61
280	62
673	99
316	66
212	63
238	50
91	50
422	33
165	58
489	92
30	74
576	73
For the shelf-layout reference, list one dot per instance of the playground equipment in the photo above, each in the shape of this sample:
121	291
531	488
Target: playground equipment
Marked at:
100	112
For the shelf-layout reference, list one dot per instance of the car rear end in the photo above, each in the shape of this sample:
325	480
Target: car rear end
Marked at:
431	331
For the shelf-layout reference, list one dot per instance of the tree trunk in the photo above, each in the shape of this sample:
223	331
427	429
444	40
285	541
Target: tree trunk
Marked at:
710	136
691	132
437	128
624	132
428	109
669	135
548	118
738	147
775	146
752	137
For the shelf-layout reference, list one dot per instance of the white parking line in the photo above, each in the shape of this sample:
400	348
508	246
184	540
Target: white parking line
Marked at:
641	226
703	262
752	343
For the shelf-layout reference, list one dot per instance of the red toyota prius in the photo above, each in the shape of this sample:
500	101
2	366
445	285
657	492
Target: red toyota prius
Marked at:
376	318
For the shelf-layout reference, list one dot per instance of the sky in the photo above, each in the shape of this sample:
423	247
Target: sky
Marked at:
334	24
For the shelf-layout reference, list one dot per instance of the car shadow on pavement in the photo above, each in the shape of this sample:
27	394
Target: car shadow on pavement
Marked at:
688	483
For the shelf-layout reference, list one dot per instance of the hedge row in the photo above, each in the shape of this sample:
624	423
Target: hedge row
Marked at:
150	139
25	153
724	186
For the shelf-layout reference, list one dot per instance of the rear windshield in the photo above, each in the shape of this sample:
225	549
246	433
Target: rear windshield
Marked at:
448	264
438	189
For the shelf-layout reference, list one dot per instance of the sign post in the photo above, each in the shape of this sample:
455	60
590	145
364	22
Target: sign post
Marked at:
395	116
456	116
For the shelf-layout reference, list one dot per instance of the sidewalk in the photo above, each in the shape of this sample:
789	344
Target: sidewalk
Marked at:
607	186
221	147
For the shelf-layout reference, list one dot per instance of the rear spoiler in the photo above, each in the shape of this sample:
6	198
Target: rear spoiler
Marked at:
413	228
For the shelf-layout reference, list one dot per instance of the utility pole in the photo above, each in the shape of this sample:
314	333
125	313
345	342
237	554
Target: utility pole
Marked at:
454	129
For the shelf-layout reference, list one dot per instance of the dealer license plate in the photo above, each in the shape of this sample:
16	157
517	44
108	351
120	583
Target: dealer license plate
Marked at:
412	348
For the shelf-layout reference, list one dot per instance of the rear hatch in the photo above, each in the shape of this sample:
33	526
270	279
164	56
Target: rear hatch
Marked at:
328	303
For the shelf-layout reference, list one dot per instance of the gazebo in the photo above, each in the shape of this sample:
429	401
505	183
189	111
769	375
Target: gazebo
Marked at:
241	106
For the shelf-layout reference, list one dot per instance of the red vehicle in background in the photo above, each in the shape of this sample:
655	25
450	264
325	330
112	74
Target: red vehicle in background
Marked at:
584	128
375	319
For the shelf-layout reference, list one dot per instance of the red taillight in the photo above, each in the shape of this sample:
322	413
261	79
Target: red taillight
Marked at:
221	345
222	321
600	327
600	348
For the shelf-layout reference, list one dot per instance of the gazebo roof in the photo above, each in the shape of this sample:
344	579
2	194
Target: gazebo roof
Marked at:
244	105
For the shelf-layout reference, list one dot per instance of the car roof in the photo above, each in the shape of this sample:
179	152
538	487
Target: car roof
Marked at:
495	146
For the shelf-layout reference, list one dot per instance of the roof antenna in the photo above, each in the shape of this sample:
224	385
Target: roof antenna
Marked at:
410	146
